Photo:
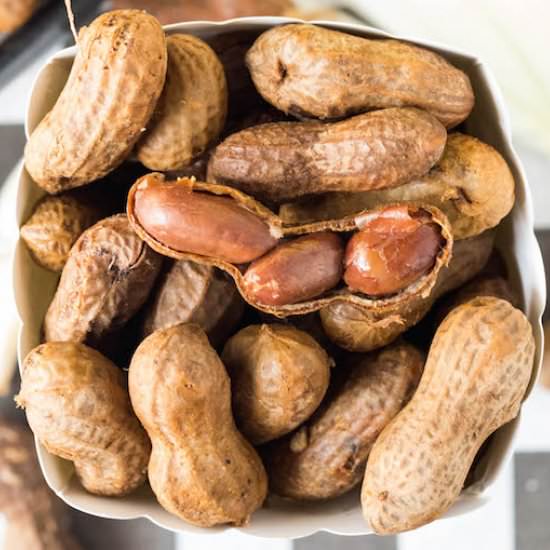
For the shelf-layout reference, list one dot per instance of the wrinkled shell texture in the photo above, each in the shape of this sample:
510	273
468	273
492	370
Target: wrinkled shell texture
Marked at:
119	68
54	227
279	375
201	469
356	329
79	409
283	160
15	13
106	279
471	184
191	110
195	293
475	377
35	517
311	71
326	456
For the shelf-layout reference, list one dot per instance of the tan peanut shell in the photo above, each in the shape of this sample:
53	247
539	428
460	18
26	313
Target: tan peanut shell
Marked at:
15	13
189	292
358	329
284	160
34	517
279	375
115	81
53	228
478	368
191	111
422	287
106	279
471	184
326	456
315	72
201	469
78	407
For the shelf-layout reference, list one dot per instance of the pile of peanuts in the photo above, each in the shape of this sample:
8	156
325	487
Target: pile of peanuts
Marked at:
286	240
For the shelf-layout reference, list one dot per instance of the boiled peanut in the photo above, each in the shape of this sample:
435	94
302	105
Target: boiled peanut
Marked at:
326	456
78	408
192	107
105	281
471	184
311	71
284	160
194	293
474	380
119	69
190	221
391	251
296	270
15	13
53	228
279	375
201	468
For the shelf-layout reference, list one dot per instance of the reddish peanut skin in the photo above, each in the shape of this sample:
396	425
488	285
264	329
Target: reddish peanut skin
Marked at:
390	252
296	270
198	223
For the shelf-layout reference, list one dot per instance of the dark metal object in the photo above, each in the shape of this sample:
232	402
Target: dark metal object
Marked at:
47	26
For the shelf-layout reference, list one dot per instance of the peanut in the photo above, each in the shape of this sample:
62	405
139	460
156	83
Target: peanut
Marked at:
15	13
53	228
471	184
192	107
119	68
326	456
78	408
474	380
391	251
279	375
193	293
296	270
284	160
105	281
198	223
311	71
201	468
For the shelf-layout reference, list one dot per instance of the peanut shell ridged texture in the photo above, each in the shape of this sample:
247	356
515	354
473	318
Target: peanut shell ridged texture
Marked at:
106	279
475	378
471	184
192	107
195	293
311	71
119	68
284	160
326	456
79	409
144	205
201	469
279	375
357	329
15	13
35	518
53	228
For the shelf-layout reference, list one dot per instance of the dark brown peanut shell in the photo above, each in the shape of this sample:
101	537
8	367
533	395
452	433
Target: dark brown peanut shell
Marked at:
189	292
279	375
357	329
53	228
308	70
154	186
106	279
284	160
119	68
201	469
326	456
471	184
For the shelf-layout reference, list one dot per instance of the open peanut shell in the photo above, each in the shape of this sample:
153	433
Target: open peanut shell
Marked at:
420	288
